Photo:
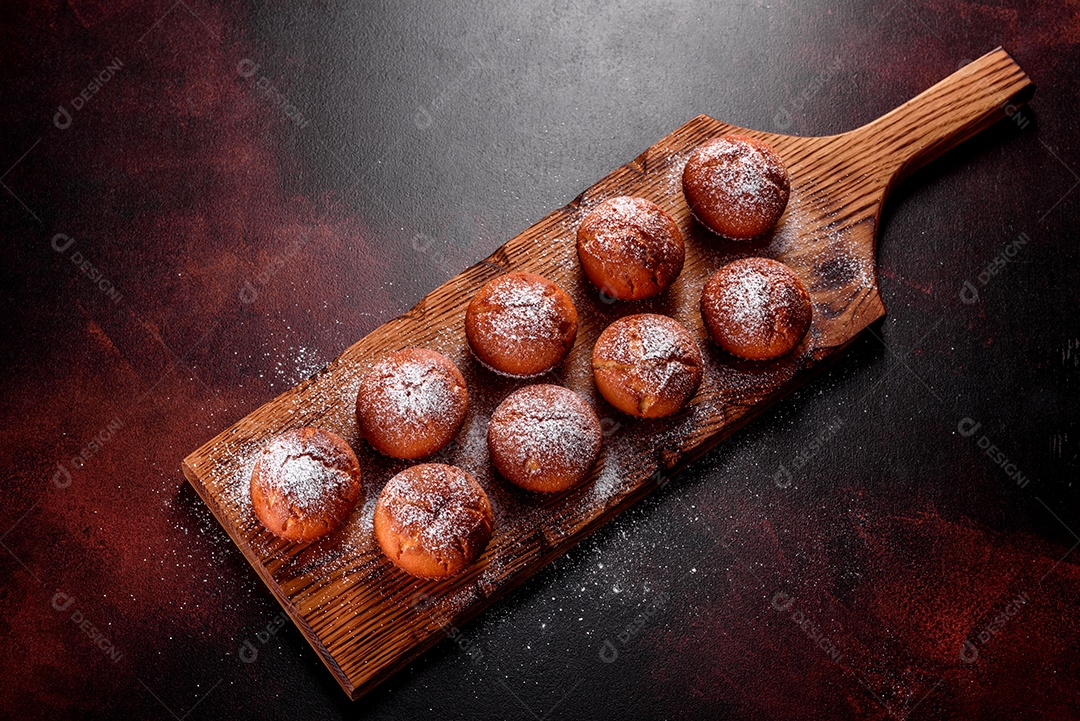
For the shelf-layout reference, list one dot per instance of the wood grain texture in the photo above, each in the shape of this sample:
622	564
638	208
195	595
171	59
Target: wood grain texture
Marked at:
365	618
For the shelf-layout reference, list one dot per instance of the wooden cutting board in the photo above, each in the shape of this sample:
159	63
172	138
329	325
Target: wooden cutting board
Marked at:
367	619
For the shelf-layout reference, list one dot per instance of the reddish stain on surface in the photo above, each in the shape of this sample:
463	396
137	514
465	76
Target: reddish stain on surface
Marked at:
869	615
180	189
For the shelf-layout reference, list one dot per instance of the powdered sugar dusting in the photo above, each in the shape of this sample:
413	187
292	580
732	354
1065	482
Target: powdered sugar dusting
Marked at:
756	302
416	391
409	392
307	482
304	473
528	310
741	170
632	227
736	179
746	299
436	504
543	428
655	349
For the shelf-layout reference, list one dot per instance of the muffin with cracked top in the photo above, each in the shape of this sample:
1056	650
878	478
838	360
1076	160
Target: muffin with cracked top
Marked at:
305	483
521	324
411	403
630	248
647	365
756	308
736	186
433	520
544	438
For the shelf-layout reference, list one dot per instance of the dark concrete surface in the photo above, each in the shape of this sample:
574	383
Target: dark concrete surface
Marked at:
232	195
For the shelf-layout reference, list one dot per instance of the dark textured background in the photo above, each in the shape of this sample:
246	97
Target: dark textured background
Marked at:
429	135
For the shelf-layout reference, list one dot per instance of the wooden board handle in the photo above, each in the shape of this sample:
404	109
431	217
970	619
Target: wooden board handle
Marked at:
963	104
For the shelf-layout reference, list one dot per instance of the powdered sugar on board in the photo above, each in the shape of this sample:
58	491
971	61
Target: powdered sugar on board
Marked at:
346	575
